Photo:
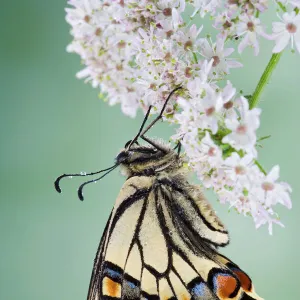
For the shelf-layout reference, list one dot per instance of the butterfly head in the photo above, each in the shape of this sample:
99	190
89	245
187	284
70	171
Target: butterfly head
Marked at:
148	160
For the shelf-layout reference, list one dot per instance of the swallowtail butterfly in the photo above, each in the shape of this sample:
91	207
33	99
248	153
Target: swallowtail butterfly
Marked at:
162	236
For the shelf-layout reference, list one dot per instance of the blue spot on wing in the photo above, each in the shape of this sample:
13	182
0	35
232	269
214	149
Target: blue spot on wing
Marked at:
112	271
199	289
113	274
131	285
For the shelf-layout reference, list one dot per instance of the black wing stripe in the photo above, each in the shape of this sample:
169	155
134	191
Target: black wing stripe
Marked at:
112	271
171	244
171	286
195	243
95	288
137	229
247	297
138	195
177	188
168	202
165	230
136	242
108	298
179	277
143	262
190	231
153	240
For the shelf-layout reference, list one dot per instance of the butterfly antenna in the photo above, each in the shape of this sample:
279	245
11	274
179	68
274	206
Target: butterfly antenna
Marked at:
161	112
134	140
80	194
58	179
140	133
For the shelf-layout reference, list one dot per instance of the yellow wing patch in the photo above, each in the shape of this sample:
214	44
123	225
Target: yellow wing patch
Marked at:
111	288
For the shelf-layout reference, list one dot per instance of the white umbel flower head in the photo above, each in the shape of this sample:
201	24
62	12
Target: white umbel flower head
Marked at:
138	51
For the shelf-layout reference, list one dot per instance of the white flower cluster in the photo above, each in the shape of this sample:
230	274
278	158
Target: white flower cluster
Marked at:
139	51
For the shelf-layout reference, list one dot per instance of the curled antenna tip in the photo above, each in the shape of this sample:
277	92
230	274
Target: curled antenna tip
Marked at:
80	194
56	183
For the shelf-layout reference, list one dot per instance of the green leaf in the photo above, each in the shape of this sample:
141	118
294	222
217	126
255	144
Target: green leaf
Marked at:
264	138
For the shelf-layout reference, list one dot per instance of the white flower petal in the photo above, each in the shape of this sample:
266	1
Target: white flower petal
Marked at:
243	44
281	43
273	175
175	18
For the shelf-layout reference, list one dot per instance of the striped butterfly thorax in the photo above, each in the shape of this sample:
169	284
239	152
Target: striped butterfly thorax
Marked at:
162	236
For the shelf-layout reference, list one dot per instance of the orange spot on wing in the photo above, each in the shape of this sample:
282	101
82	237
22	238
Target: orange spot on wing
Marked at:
112	288
244	279
226	285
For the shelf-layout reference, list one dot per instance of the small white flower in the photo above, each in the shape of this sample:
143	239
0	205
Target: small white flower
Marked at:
221	63
201	79
249	27
275	192
209	151
261	5
218	180
230	106
205	6
238	167
224	24
287	31
243	134
211	105
188	39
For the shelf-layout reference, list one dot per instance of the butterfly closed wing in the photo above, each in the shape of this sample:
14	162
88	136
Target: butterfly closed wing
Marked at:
161	239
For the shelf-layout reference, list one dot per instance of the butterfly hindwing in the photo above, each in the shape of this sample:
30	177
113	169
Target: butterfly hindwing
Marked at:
160	244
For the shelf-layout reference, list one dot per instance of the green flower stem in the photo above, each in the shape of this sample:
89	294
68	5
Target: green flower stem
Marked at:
253	102
264	79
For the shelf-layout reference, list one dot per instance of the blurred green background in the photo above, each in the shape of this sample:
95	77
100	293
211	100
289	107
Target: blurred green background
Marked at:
52	123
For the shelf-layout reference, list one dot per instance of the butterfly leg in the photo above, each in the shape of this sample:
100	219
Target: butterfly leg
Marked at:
178	147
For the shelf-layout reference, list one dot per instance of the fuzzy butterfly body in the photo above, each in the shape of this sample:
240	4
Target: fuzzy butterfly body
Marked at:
162	236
